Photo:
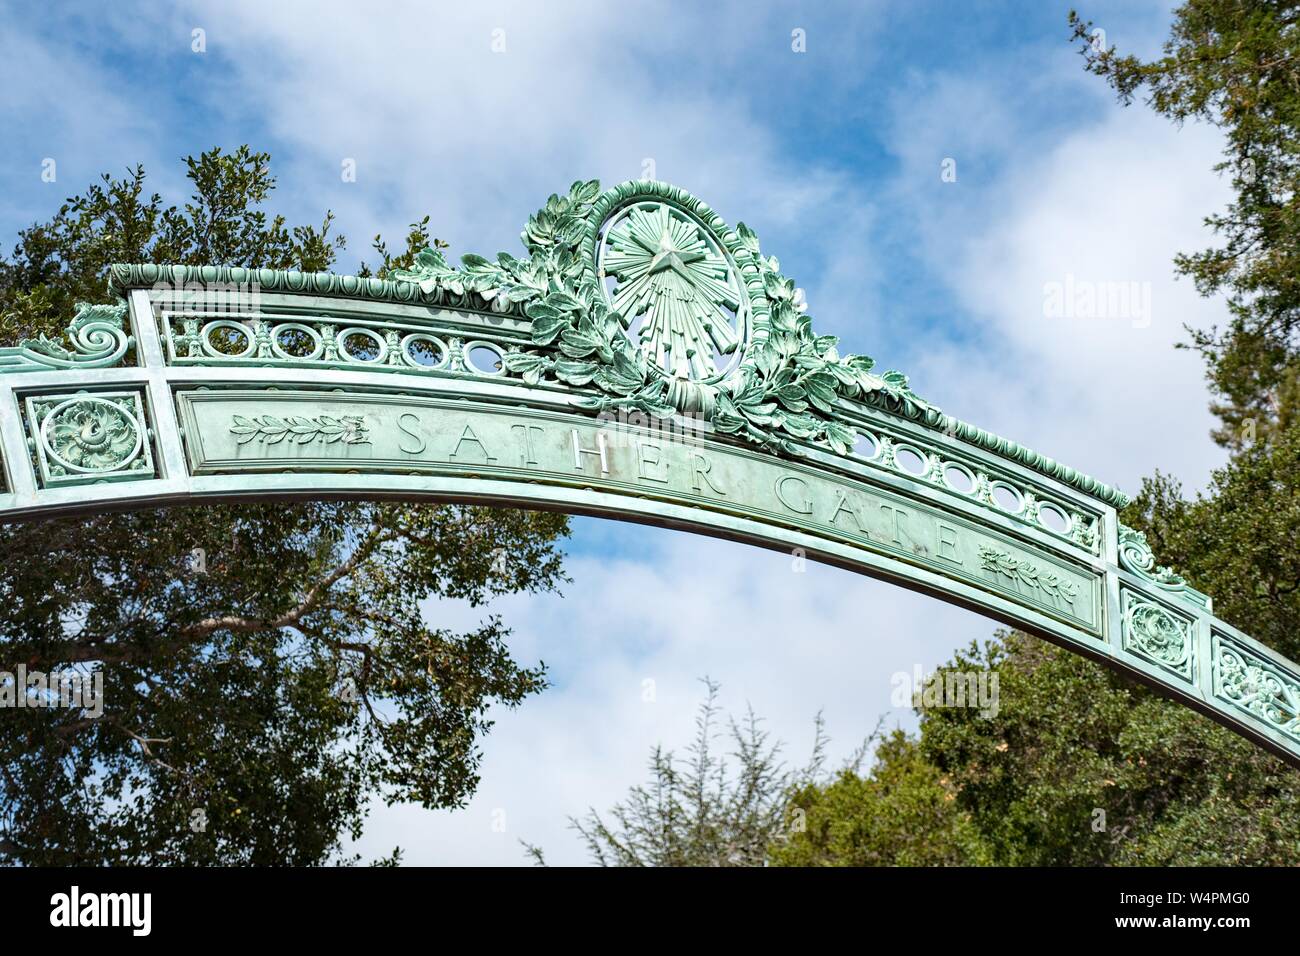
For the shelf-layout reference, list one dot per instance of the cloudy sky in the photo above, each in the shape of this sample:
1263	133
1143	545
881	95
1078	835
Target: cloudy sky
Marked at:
473	113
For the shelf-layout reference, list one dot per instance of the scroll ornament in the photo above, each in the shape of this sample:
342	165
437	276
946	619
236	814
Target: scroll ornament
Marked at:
1135	555
97	335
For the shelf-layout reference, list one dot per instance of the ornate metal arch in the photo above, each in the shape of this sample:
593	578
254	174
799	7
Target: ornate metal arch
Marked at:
521	381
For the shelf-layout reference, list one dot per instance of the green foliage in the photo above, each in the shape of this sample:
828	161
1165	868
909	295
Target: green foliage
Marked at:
65	260
1078	767
904	812
1071	739
703	811
418	238
1233	63
275	691
1238	540
253	710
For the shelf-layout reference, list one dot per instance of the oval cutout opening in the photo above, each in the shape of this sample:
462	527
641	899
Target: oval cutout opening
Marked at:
1007	498
1054	518
426	353
484	359
231	339
361	346
296	341
959	479
910	460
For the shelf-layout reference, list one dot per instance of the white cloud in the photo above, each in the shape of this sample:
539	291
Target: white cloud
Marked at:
68	114
1109	206
1104	208
437	122
789	644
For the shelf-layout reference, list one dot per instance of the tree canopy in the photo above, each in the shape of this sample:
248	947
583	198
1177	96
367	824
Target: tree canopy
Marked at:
1080	766
1235	64
257	701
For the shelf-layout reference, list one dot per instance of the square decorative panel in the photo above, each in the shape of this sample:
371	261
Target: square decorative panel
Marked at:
1257	685
1157	634
89	437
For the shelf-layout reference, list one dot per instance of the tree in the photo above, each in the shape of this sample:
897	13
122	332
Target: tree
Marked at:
1078	767
703	811
251	708
1235	63
903	812
1083	767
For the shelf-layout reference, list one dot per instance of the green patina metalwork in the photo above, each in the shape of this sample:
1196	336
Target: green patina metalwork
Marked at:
271	429
1158	633
89	437
669	268
642	361
1019	570
96	336
790	380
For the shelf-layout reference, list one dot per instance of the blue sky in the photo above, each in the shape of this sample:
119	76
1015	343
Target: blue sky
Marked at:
833	155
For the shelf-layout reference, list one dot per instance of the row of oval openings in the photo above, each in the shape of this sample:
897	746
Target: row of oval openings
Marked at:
235	340
962	479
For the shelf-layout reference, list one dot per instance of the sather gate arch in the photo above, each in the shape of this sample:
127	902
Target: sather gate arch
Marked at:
643	362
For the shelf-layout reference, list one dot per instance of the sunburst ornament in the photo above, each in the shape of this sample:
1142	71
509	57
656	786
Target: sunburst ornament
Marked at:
674	280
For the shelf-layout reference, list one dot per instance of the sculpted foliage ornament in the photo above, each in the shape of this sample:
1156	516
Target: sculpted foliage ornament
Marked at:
90	434
97	334
1022	572
1157	634
707	291
89	437
272	429
1252	684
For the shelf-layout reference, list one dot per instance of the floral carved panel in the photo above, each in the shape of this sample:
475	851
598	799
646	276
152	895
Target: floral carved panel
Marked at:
1158	634
89	437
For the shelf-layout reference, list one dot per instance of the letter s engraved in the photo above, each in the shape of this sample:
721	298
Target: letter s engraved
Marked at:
401	425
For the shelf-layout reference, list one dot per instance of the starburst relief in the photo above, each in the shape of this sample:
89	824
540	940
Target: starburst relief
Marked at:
671	274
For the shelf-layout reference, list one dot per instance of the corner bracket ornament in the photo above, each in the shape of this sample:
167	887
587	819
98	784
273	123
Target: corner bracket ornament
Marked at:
1135	555
97	334
722	335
